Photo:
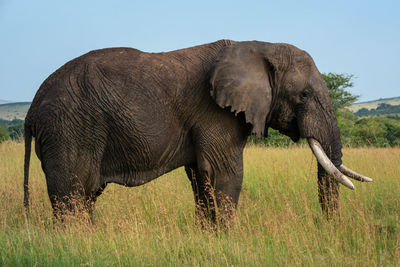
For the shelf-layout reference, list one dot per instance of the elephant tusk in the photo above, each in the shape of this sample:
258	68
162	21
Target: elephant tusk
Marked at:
352	174
327	164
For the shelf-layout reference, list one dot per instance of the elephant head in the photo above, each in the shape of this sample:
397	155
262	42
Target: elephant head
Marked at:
279	86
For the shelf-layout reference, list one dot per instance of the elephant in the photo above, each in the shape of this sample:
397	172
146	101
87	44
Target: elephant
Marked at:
120	115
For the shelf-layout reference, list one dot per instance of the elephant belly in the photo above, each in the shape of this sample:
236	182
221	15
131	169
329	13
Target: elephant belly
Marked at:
134	159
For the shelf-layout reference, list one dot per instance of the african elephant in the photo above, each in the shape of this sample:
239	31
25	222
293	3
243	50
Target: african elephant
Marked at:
119	115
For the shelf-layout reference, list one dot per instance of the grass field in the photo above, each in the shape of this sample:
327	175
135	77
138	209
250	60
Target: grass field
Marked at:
278	221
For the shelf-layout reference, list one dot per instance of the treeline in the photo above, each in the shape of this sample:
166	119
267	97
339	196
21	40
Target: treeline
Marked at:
13	130
355	132
381	131
382	109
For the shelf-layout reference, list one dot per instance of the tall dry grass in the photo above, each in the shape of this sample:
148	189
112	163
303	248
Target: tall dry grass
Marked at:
278	221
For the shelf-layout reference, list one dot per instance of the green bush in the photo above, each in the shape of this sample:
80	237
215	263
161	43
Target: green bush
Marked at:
13	130
3	133
275	139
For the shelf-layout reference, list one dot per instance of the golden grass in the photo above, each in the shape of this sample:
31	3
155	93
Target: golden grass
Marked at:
278	221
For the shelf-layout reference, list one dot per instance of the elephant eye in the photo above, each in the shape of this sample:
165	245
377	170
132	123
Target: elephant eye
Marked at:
304	94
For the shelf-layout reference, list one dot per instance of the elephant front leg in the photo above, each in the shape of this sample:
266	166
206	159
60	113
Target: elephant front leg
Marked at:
203	196
216	194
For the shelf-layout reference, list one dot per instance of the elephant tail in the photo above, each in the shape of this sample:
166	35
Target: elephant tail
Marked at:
28	140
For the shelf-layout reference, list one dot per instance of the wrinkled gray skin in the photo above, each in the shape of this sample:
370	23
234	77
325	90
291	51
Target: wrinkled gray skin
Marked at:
119	115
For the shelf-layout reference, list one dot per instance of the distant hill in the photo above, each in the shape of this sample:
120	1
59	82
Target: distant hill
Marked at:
2	101
10	111
394	101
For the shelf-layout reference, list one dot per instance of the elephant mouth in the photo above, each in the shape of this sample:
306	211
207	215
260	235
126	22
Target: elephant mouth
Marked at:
294	134
291	130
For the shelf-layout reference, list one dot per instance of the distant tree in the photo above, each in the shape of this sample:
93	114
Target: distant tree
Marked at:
346	120
13	130
393	132
376	131
394	117
3	133
341	98
337	85
363	112
369	132
16	131
383	106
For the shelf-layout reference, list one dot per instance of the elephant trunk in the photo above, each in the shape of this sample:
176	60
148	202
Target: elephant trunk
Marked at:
329	158
327	148
338	170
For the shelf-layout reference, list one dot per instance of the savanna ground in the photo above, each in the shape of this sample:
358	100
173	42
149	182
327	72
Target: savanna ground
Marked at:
278	221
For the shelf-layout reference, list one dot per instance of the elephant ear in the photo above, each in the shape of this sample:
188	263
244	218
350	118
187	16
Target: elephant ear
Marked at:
241	80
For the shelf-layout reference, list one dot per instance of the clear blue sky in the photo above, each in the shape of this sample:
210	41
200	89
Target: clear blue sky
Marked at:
355	37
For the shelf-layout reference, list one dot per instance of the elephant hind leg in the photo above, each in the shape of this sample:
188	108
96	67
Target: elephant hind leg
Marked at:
72	206
73	203
73	182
